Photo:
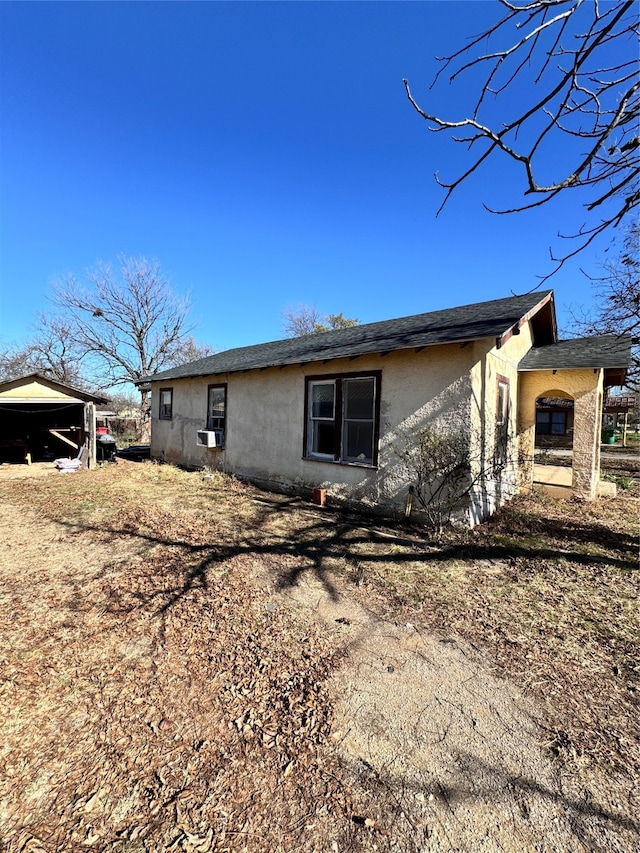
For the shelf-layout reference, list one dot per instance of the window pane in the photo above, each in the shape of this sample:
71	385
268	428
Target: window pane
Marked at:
542	423
558	422
217	406
358	399
166	397
322	400
217	402
503	402
359	441
323	440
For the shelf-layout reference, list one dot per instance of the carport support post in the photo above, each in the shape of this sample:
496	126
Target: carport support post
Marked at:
90	432
586	440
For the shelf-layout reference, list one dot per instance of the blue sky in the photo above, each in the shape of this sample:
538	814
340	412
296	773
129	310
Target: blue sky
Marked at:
265	153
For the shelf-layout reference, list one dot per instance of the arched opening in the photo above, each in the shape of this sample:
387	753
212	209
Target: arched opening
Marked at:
554	427
577	466
554	420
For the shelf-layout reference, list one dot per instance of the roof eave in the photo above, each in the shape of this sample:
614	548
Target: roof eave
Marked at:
615	376
515	329
324	358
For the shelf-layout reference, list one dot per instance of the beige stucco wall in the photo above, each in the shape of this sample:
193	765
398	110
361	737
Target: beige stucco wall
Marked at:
265	420
585	387
490	363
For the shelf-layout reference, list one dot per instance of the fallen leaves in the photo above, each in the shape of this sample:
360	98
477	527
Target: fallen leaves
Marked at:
154	696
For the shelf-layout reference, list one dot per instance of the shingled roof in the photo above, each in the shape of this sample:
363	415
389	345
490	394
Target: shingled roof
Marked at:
498	319
611	352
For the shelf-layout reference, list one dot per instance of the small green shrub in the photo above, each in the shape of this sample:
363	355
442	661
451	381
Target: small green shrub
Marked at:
624	483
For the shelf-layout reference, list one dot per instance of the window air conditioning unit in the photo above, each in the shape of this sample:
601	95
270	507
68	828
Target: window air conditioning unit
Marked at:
209	438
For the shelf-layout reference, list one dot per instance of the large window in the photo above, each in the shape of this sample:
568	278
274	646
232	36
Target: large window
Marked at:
217	407
166	404
342	418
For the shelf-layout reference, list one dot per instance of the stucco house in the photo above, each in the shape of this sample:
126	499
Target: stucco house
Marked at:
338	410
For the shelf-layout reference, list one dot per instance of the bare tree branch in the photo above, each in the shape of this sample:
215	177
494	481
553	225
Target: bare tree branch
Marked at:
51	351
583	58
307	320
617	292
128	322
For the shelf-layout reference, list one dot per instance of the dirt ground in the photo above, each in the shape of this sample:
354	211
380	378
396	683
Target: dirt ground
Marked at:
150	704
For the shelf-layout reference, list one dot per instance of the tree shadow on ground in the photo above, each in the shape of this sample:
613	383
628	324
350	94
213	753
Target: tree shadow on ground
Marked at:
188	565
476	779
565	530
320	538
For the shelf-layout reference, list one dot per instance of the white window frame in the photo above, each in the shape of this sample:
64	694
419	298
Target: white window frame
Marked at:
502	407
314	420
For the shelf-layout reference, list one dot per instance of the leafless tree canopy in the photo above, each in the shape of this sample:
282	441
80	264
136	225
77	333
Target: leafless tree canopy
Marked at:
307	320
573	68
191	350
119	326
617	291
128	321
51	351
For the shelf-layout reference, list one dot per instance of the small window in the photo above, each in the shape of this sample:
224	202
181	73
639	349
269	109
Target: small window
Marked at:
217	407
502	409
502	422
166	404
543	423
558	423
343	418
551	423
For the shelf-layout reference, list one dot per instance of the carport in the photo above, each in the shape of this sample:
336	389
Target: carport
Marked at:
41	419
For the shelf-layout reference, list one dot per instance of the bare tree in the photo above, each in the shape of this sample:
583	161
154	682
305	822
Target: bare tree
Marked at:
617	291
15	361
439	465
574	64
192	350
124	403
56	353
307	320
128	322
51	351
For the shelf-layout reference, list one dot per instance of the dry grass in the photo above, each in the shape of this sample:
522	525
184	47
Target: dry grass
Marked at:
551	591
168	674
153	698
